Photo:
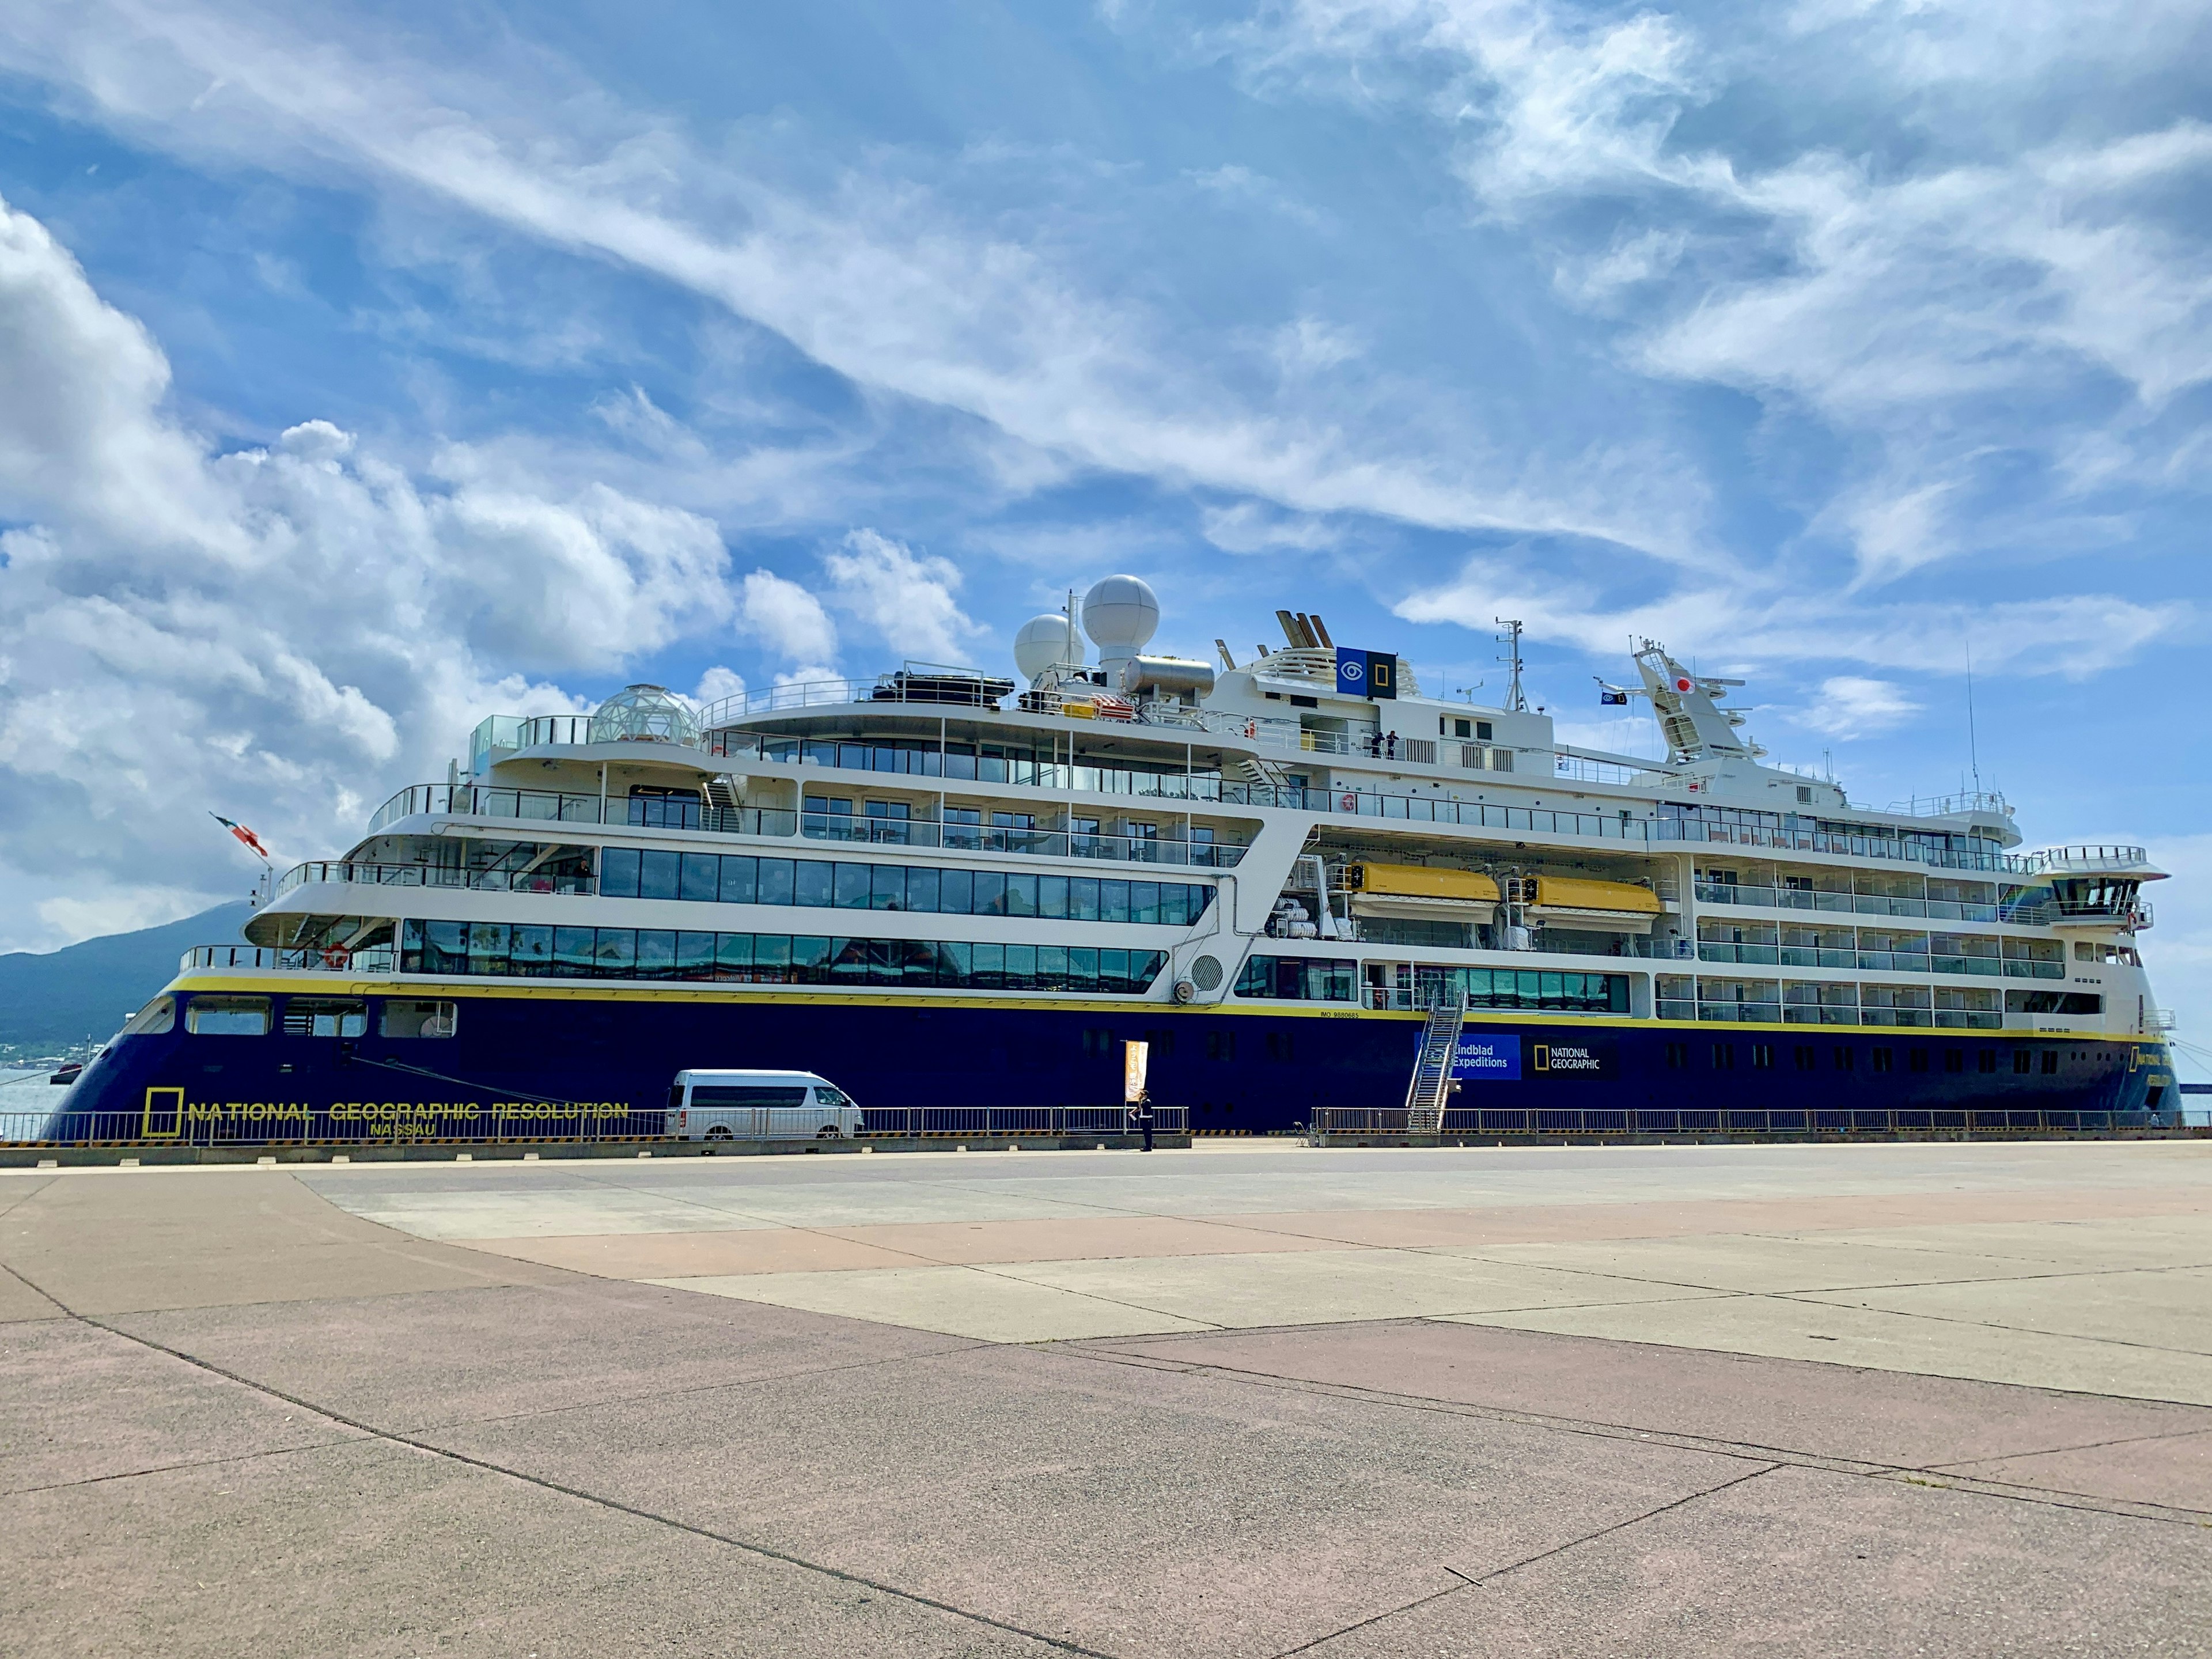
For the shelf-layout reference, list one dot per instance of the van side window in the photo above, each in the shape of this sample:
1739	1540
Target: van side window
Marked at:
228	1017
419	1020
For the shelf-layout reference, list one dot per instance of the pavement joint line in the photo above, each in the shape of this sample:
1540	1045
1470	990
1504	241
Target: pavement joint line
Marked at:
1475	1581
2055	1451
1807	1299
1775	1457
356	1440
967	1345
1462	1253
614	1506
31	1189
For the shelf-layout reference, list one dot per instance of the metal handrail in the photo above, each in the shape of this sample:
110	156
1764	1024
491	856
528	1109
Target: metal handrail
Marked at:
1375	1121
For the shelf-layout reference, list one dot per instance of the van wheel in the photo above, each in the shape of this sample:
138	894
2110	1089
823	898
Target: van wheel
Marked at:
720	1132
829	1132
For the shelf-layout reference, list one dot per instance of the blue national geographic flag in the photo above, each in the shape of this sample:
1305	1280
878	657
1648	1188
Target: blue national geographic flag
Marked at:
1365	673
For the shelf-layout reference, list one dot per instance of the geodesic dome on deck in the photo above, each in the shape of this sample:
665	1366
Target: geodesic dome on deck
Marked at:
644	714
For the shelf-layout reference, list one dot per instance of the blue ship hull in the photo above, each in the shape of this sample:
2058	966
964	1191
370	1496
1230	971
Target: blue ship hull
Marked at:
548	1062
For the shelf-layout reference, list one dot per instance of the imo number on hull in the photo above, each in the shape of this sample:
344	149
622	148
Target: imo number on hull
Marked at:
1295	878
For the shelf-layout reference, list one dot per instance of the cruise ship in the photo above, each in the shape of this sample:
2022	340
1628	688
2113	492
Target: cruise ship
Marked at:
1321	895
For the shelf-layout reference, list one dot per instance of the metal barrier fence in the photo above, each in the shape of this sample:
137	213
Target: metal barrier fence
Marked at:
278	1126
1333	1121
997	1122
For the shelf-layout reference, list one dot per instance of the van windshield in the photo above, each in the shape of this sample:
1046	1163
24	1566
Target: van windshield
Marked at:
715	1094
826	1095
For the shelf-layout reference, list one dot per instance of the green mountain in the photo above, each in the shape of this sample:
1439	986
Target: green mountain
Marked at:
50	1001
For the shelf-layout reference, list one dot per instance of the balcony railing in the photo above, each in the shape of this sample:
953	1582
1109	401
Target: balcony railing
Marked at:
1039	843
428	875
2085	860
554	807
1768	1013
1865	904
331	959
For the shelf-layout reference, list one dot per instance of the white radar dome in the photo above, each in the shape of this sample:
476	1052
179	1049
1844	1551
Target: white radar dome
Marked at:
1121	614
1044	640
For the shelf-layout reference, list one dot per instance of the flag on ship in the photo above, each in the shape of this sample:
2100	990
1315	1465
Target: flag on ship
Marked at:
252	842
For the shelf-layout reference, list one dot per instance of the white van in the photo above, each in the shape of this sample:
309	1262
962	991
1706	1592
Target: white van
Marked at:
759	1106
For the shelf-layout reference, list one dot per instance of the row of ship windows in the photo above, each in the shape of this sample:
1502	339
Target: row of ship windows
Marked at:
650	953
1806	1057
824	884
1310	979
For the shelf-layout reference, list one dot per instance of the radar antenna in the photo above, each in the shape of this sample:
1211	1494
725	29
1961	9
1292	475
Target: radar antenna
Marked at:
1511	639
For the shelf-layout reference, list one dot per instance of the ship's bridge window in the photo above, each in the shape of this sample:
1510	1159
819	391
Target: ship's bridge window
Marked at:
325	1017
419	1020
156	1018
228	1017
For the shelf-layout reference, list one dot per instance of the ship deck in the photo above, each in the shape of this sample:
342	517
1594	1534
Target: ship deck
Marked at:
1241	1400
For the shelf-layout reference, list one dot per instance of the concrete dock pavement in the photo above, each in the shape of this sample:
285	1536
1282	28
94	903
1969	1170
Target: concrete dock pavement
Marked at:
1244	1399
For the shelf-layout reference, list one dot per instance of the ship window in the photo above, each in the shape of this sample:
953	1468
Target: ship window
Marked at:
1842	1058
1279	1046
1678	1056
703	877
228	1017
658	875
155	1019
851	886
2022	1062
618	871
1881	1060
1221	1045
1987	1060
1464	729
1954	1060
1806	1057
1097	1041
1724	1056
2049	1060
811	882
1762	1056
419	1020
325	1017
1918	1058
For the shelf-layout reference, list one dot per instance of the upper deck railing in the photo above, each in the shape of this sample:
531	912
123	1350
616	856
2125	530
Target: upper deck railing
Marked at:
554	806
2086	860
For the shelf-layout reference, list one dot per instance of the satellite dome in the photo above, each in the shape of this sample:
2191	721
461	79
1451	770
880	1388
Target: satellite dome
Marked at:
1121	614
644	714
1044	640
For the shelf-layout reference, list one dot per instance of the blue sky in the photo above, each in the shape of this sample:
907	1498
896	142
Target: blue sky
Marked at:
373	368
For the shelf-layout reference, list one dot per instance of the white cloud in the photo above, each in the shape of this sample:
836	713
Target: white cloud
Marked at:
2075	636
284	635
787	618
717	683
1961	286
1851	706
876	278
905	598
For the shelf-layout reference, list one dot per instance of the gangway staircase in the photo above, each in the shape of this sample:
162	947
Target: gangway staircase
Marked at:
1258	772
1432	1064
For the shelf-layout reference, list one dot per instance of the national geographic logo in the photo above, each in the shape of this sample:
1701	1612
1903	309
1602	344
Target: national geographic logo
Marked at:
1572	1060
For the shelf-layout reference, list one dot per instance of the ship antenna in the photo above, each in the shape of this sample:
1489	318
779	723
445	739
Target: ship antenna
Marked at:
1973	746
1511	639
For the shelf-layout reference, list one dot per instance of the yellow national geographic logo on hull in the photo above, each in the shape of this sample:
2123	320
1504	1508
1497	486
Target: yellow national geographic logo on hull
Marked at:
165	1113
169	1117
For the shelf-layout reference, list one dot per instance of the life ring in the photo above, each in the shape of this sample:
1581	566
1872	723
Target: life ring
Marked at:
335	957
